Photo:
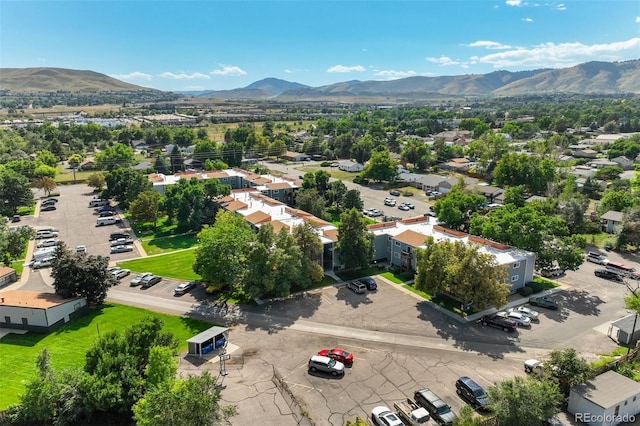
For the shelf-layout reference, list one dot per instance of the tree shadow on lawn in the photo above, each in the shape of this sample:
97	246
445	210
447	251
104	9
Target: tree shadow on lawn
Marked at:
173	242
471	336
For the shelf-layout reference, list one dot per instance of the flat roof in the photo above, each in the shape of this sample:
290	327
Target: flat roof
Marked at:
208	334
608	389
32	299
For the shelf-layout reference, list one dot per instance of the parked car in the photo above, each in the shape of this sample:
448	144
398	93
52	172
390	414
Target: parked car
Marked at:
49	200
440	411
121	242
369	283
43	263
118	235
50	242
106	209
383	416
595	257
112	269
356	287
375	213
472	392
366	212
544	302
48	208
150	281
338	354
42	234
496	321
530	313
107	213
410	205
16	218
121	249
551	272
403	207
520	319
81	249
138	278
184	288
394	192
326	365
121	273
389	202
608	275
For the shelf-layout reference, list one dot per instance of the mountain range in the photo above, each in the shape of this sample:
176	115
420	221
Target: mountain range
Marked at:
605	78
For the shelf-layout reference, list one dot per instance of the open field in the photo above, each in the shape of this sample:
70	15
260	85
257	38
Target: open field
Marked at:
172	265
333	171
168	244
67	345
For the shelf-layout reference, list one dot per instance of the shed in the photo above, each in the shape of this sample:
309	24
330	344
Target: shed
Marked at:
36	311
295	156
350	166
208	341
625	331
606	400
7	276
610	220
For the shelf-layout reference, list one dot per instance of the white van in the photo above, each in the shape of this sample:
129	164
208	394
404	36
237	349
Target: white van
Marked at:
109	220
98	202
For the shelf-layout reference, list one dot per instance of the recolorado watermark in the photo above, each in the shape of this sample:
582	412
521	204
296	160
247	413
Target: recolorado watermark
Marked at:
604	418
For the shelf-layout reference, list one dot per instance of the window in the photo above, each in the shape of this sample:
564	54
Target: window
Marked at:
397	243
617	412
516	265
276	191
515	278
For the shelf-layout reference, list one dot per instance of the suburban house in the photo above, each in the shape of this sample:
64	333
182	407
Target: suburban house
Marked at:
193	164
396	242
608	399
139	145
142	166
295	156
584	153
425	182
457	165
35	311
610	220
488	191
350	166
87	164
623	162
600	163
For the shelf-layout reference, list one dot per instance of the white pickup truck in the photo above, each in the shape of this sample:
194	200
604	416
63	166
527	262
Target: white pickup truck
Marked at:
411	413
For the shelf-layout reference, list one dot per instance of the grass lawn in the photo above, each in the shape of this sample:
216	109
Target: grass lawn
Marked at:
600	239
334	172
67	345
172	265
65	176
18	265
26	210
146	229
167	244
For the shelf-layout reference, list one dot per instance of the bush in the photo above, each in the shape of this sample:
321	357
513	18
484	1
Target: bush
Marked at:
525	291
535	287
325	164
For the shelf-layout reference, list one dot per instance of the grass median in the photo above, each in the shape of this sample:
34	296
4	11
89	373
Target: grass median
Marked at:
67	345
177	265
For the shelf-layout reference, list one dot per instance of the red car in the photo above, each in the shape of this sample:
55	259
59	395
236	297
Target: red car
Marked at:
338	354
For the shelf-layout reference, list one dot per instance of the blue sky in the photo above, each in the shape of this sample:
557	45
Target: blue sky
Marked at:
217	45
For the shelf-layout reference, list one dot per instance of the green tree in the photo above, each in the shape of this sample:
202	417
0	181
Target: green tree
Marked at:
336	193
524	402
466	417
534	173
191	401
42	170
146	207
629	232
162	367
81	275
75	160
14	191
361	150
357	422
616	201
124	185
461	270
569	368
381	167
96	181
352	200
355	243
215	164
232	154
47	158
312	202
457	207
310	245
114	157
609	173
14	242
221	255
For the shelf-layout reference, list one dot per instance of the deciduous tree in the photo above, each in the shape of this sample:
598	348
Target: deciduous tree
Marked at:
96	181
124	185
13	243
113	157
381	167
47	184
569	368
14	191
355	242
146	207
524	402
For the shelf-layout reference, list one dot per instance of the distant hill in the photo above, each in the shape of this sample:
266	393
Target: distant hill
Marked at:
33	80
589	78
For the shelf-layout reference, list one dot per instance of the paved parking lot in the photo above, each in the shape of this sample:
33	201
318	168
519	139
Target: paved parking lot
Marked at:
401	343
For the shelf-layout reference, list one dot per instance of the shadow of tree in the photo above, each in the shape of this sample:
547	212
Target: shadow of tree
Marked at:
353	299
578	301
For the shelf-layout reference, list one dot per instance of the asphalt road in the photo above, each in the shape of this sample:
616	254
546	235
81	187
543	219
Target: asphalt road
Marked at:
400	343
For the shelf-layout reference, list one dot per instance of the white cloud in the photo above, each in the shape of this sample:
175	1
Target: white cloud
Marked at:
444	61
184	76
393	74
561	6
342	68
514	3
136	75
41	60
493	45
527	20
561	54
288	71
637	19
229	70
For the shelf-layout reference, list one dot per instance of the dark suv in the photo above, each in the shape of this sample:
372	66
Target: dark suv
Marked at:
608	275
472	392
439	410
369	283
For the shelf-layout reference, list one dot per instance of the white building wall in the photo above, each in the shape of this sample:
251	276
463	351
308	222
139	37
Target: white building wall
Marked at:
59	312
592	414
15	313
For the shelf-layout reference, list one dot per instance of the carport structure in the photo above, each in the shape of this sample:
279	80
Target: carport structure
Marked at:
209	340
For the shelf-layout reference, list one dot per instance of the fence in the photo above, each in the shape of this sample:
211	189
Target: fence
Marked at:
299	413
613	364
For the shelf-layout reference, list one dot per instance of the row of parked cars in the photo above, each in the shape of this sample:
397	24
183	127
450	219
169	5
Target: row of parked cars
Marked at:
120	242
520	316
426	404
362	285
